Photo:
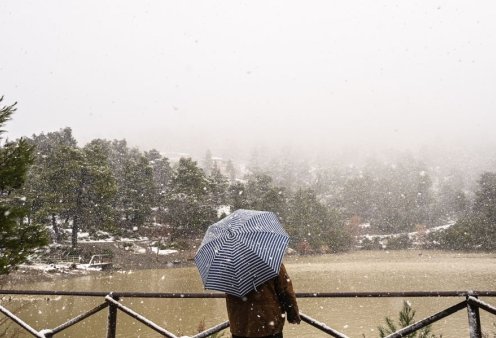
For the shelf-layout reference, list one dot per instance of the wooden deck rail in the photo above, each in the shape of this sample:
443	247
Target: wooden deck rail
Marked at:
471	302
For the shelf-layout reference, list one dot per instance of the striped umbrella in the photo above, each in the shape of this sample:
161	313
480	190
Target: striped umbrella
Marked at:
241	251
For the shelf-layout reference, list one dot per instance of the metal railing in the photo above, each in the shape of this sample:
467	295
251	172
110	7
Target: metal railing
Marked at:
471	303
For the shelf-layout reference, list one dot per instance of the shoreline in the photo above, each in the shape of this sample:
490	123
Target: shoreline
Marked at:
124	260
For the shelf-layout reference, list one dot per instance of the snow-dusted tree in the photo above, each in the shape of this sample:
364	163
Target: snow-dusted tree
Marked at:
136	191
477	230
18	238
231	171
46	185
485	201
263	194
218	187
309	221
162	173
357	198
189	208
237	195
100	190
401	198
72	185
208	162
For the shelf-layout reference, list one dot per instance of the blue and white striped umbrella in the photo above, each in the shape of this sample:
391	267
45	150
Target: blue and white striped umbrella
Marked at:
241	251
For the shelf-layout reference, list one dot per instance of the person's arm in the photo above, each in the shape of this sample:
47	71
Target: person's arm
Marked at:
287	296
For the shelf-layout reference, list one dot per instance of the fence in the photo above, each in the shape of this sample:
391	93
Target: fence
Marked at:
471	303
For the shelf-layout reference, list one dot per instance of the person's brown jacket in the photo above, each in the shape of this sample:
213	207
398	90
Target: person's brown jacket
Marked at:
261	312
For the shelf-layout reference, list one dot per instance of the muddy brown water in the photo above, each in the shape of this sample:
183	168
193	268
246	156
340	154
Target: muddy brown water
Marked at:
356	271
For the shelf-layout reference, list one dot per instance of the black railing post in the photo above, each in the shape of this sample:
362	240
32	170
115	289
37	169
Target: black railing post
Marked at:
112	318
474	324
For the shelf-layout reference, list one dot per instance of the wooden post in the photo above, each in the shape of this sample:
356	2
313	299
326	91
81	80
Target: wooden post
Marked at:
112	318
474	324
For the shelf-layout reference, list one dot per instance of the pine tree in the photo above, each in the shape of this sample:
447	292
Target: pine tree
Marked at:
406	318
262	194
71	185
162	174
18	239
231	171
189	208
485	201
208	162
218	187
137	191
477	230
50	185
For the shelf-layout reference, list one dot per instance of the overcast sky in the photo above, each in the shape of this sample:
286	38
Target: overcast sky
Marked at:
228	75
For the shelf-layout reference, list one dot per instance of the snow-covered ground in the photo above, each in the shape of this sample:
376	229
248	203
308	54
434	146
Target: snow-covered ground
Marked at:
413	236
76	265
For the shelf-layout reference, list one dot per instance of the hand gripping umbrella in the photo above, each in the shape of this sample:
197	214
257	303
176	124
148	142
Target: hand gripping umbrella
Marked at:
241	251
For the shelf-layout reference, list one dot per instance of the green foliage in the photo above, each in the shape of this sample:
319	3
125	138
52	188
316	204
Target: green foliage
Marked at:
406	318
309	221
106	185
485	202
477	230
400	242
218	186
189	206
260	193
237	196
71	183
371	244
18	239
231	171
136	193
392	196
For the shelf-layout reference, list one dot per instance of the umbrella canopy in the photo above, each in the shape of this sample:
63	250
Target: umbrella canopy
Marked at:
241	251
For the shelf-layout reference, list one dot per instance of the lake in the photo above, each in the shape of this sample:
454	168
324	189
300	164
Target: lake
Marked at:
355	271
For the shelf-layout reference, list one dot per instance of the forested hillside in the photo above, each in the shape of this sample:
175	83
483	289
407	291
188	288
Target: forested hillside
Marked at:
107	185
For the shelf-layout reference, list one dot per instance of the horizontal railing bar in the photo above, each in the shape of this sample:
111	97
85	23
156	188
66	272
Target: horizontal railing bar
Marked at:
139	317
79	318
482	305
395	294
321	326
429	320
374	294
212	330
20	322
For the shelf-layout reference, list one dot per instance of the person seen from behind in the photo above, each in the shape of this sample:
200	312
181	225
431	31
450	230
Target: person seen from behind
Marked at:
262	312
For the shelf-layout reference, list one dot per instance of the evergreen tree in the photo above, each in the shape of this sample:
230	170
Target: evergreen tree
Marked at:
72	186
218	187
450	203
477	230
137	191
50	179
485	200
100	190
237	196
189	208
18	239
262	194
162	174
357	197
134	174
311	222
208	163
231	171
406	318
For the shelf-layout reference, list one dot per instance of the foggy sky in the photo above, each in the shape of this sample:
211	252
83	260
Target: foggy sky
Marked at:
230	75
